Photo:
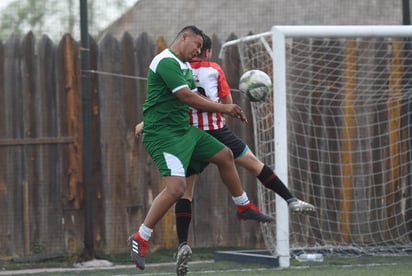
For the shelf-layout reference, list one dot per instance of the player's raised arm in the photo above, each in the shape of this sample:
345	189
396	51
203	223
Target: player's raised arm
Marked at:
198	102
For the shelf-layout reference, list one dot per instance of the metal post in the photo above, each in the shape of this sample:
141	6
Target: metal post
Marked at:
406	14
281	144
89	252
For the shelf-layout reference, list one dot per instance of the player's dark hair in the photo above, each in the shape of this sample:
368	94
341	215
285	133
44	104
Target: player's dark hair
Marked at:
193	29
207	44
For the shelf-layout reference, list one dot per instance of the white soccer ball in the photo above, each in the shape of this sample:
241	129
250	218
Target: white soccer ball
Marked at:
256	84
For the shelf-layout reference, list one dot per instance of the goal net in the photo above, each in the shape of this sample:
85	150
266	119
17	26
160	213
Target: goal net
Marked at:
337	129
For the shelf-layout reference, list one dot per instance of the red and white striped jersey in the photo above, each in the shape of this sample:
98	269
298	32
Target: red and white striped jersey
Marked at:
211	82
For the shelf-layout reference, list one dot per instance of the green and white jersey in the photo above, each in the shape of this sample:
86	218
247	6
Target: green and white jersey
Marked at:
167	74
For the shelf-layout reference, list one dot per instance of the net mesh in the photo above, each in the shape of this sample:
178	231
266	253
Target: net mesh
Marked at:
348	127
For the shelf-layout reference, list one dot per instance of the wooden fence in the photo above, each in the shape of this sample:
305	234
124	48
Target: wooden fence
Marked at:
41	185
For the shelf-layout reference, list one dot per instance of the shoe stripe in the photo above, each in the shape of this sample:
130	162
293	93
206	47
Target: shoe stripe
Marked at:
135	247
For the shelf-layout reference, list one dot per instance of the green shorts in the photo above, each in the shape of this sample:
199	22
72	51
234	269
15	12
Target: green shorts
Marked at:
172	150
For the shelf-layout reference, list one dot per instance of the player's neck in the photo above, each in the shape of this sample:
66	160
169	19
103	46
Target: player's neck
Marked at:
200	59
176	52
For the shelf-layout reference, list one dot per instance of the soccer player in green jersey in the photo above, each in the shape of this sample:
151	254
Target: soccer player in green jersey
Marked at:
173	143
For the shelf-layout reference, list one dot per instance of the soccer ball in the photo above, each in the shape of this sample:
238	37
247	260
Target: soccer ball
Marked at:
256	84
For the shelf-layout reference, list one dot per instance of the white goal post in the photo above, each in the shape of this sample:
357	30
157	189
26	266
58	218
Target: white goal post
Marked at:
336	132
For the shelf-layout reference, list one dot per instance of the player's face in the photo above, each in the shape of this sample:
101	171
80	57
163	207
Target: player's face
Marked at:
193	46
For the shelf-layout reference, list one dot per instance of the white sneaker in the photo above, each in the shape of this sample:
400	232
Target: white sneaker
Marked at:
299	206
184	255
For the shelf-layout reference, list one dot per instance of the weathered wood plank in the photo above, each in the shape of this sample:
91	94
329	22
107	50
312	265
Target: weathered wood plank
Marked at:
334	59
13	128
69	159
73	117
30	156
4	202
112	141
49	198
393	187
129	98
379	143
347	146
98	200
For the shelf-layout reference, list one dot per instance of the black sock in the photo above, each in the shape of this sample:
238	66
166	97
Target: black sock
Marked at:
271	181
183	212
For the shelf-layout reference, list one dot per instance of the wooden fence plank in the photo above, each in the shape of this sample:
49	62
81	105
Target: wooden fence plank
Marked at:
112	142
300	144
49	198
98	205
129	98
13	128
31	175
348	135
393	188
72	86
407	87
3	156
69	124
379	143
316	147
334	59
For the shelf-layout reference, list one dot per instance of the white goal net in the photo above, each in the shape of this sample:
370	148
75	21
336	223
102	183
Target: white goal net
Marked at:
338	130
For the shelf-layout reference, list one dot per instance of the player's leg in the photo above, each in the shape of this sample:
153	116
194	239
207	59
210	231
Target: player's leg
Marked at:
228	172
138	242
271	181
172	156
265	175
183	207
245	158
183	211
183	215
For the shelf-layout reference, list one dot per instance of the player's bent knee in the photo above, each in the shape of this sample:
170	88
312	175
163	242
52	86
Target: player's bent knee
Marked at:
175	186
222	157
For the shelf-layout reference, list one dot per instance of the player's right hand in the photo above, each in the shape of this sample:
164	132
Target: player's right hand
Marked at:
235	111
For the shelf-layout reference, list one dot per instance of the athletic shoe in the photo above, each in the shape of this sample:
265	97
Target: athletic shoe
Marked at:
299	206
250	211
138	248
184	255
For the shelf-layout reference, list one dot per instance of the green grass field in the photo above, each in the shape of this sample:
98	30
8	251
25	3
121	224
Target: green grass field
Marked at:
161	263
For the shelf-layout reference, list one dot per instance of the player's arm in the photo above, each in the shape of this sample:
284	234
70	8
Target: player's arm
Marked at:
226	99
224	91
194	100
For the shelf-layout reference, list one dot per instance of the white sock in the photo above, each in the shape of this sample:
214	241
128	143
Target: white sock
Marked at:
145	232
241	200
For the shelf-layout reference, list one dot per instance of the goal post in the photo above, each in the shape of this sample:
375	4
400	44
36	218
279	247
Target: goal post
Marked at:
337	130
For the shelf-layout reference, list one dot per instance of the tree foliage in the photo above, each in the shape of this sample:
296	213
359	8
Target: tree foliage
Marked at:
56	17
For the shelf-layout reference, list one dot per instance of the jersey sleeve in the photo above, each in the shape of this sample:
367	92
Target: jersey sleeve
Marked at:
171	73
222	85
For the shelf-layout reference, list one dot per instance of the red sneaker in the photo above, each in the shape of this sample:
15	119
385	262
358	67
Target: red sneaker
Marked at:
138	248
251	212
